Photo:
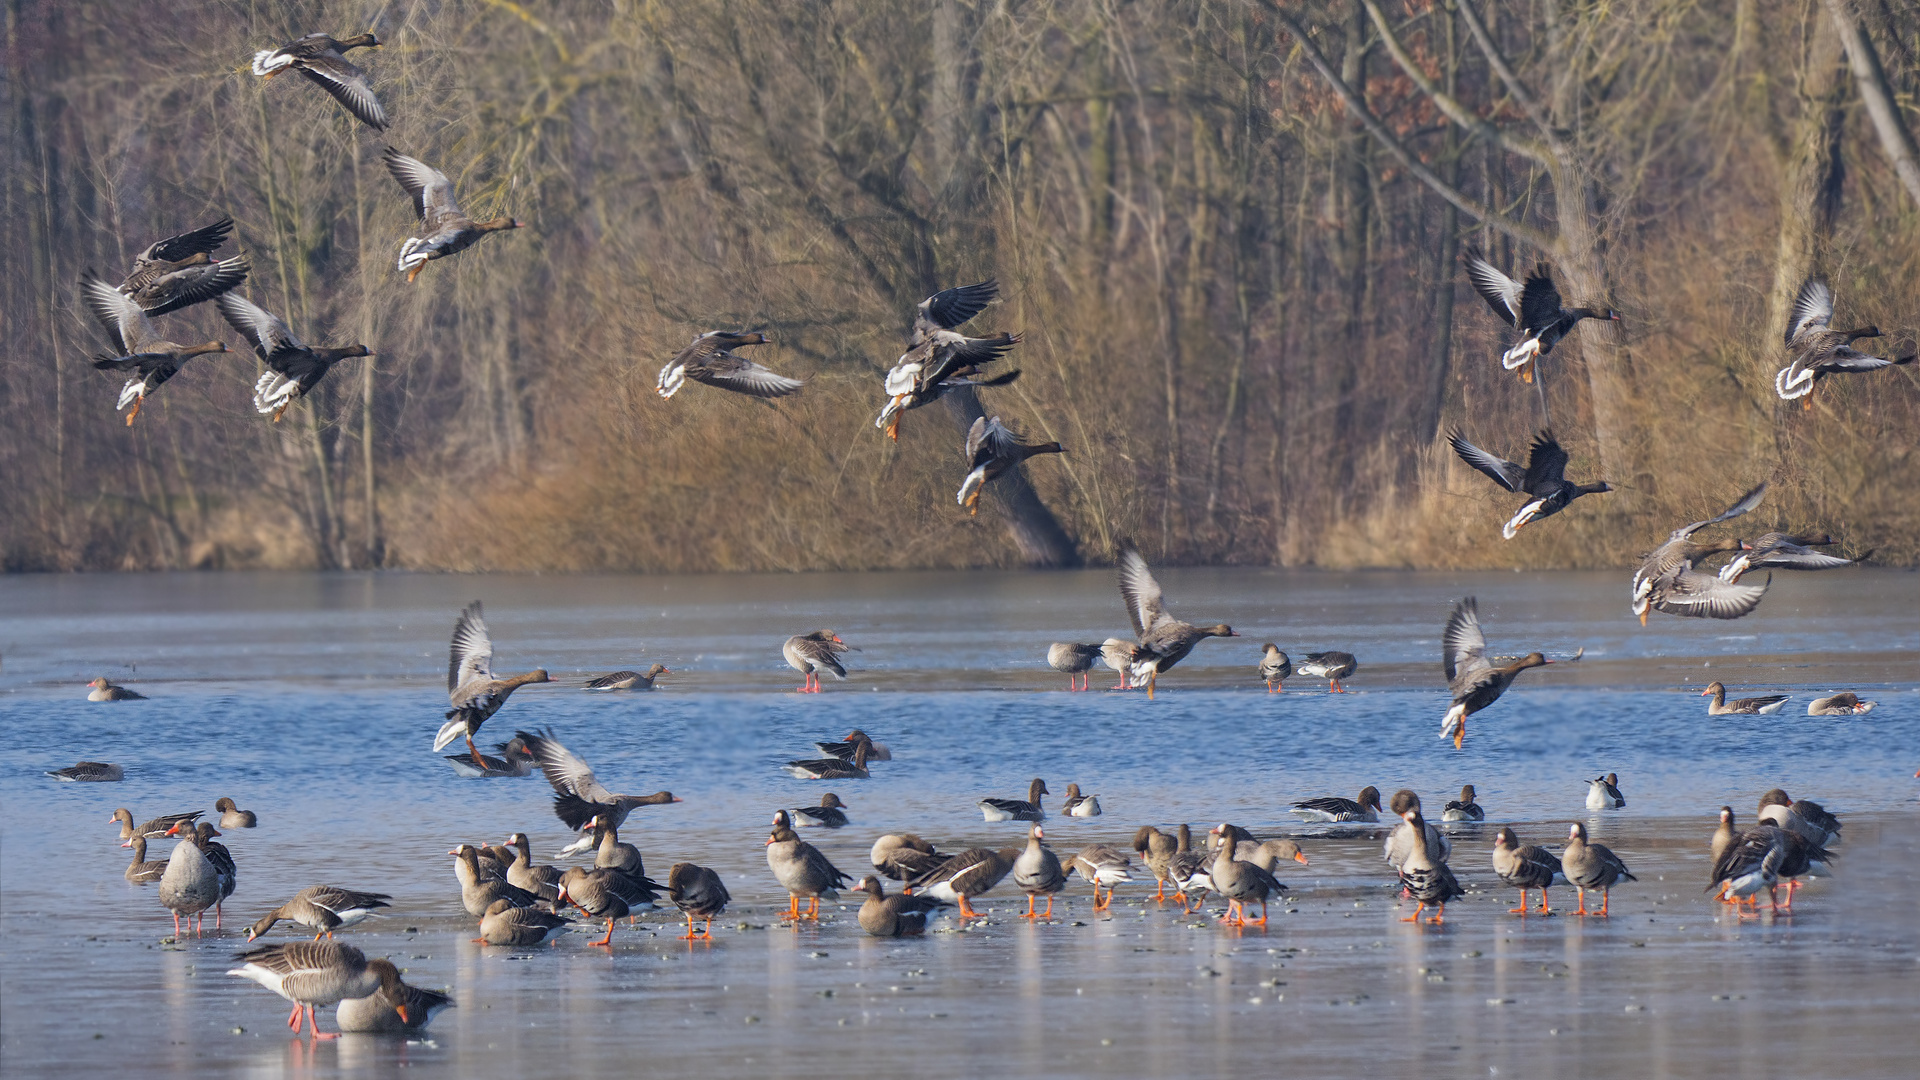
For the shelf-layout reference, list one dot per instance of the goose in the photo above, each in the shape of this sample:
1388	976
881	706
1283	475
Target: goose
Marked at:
965	874
904	856
1164	640
1603	793
102	690
1591	866
379	1012
147	830
1078	805
579	796
830	814
899	915
1240	882
322	58
137	347
1073	660
1674	559
1803	858
323	909
1037	872
1472	678
89	772
1265	854
1119	655
1156	850
1366	807
232	817
472	691
447	229
1275	666
1544	478
514	759
294	368
1843	704
629	680
140	871
624	859
217	855
1720	706
478	892
1331	666
939	359
522	873
699	893
992	451
1101	865
1523	868
190	884
810	654
1805	819
1780	551
1723	837
844	748
504	924
1425	875
1400	842
313	973
1016	809
712	361
1749	863
1815	350
179	271
801	869
1534	309
1190	872
1463	808
602	894
832	768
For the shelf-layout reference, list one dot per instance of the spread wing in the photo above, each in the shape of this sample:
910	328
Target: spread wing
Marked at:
430	189
563	768
952	355
1747	502
1812	309
1799	559
1703	596
191	285
1539	301
1548	463
1463	647
128	326
268	332
348	85
472	654
1141	593
1501	292
730	371
949	308
1507	474
977	436
1846	358
202	241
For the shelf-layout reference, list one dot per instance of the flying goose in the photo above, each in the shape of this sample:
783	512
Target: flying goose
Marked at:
1331	666
1656	584
1816	350
179	271
1779	551
1720	706
1591	866
1472	678
137	347
294	368
578	795
1534	309
447	228
1543	478
939	359
1071	659
312	973
810	654
323	909
1163	640
472	691
711	360
993	450
322	58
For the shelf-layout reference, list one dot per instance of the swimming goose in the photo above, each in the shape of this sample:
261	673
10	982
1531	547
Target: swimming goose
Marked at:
1534	309
810	654
904	856
801	869
379	1012
89	772
1425	875
1275	666
478	892
1156	850
1119	655
712	361
1164	640
1591	866
160	826
602	894
323	909
1544	478
699	893
1845	704
472	691
1779	551
1037	872
504	924
1463	808
1603	793
1816	350
832	768
899	915
1331	666
322	58
137	347
447	229
966	874
1070	660
579	796
1401	840
102	690
844	749
179	271
628	680
522	873
140	871
1675	558
190	884
1332	808
294	368
1523	868
1720	706
830	814
312	973
232	817
1240	882
939	359
514	760
992	450
1078	805
1015	809
1101	865
1472	678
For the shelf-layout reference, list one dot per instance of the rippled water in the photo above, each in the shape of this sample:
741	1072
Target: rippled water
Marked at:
313	699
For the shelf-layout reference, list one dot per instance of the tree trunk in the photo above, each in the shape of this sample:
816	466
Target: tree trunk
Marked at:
1809	185
1031	526
1896	141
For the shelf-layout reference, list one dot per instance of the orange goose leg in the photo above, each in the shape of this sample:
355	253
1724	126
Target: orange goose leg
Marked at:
1336	689
1049	913
313	1027
1160	893
293	1022
608	940
1544	909
1439	914
1263	913
708	932
966	909
142	400
1582	909
1605	896
1522	909
1415	917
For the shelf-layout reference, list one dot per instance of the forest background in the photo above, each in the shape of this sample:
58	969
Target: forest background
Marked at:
1230	234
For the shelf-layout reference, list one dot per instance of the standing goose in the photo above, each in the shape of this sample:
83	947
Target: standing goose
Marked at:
1241	883
1720	706
447	230
1463	808
1101	865
1401	841
940	359
1816	350
1156	850
1119	655
832	768
809	654
140	871
1724	834
472	691
137	347
830	814
478	892
294	368
1663	567
380	1013
1534	309
89	772
1070	660
699	893
232	817
523	873
628	680
1425	875
801	869
1028	809
217	855
1523	868
1749	863
504	924
1265	854
148	830
190	884
1190	871
322	58
1333	808
1780	551
711	360
1037	872
1078	805
969	873
640	891
1844	704
1275	666
1164	640
1603	793
313	973
602	894
904	857
1591	866
102	690
578	795
323	909
1331	666
1544	478
1472	678
993	450
899	915
179	271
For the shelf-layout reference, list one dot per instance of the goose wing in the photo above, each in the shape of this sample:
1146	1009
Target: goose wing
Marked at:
202	241
1141	593
1463	647
1501	292
190	285
431	191
348	84
730	371
1746	502
952	356
1704	596
128	326
949	308
564	769
1812	309
1506	473
471	656
1539	301
1846	358
269	334
1547	463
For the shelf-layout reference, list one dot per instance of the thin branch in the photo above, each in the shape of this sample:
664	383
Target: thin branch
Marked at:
1452	106
1504	69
